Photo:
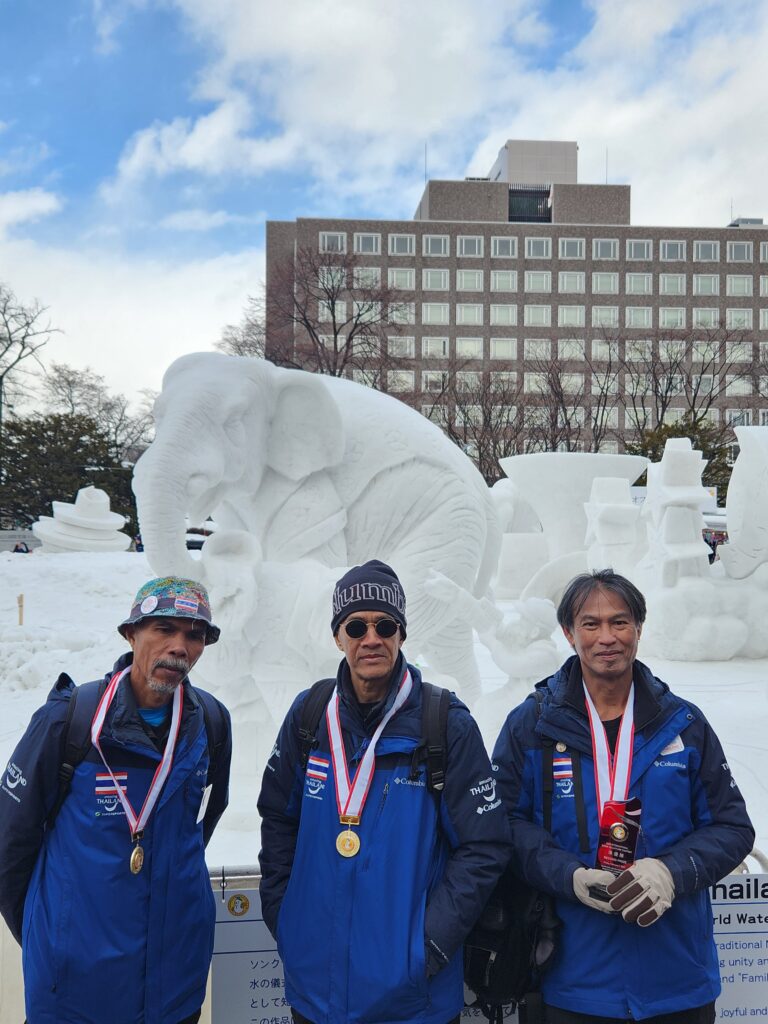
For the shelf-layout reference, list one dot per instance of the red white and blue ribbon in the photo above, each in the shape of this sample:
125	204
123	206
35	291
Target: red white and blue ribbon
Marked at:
351	796
612	773
138	822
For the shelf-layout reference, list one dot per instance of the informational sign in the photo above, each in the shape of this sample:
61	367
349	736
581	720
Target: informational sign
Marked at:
248	987
740	909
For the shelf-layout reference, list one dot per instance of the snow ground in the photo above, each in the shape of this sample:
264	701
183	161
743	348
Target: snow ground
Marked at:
72	604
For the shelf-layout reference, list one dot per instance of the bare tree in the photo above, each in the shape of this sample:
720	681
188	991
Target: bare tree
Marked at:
247	338
24	330
330	313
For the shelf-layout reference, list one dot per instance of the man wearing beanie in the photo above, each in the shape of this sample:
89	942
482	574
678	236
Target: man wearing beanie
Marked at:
105	809
372	874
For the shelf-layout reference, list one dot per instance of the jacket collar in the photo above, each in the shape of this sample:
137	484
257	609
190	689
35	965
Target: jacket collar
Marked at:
123	716
369	715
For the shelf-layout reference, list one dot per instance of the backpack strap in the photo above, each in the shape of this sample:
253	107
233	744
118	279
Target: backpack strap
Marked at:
76	738
215	729
435	701
312	710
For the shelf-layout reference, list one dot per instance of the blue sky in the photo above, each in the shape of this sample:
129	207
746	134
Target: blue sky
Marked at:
143	143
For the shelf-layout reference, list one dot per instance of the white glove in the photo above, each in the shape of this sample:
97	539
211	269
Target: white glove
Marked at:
583	878
642	893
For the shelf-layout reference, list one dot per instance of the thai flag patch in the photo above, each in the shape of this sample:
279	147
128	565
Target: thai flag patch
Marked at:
317	767
562	768
184	604
106	787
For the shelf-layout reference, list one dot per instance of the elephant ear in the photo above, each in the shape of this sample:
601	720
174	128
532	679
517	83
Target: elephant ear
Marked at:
307	432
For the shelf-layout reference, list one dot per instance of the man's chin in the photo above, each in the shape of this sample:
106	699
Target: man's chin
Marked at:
162	685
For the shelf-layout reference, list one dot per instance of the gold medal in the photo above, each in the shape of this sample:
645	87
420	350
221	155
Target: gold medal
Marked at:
348	843
137	859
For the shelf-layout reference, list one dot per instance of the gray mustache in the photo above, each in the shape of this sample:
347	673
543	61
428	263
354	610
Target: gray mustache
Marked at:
175	664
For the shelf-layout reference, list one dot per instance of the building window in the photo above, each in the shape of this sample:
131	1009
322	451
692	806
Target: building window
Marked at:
570	349
671	250
671	350
639	316
435	245
366	277
706	284
707	317
538	248
468	380
328	311
401	277
402	348
738	284
469	245
570	316
402	312
537	316
401	380
503	348
571	248
333	241
503	280
469	280
437	414
671	284
503	315
469	313
672	317
434	348
605	316
738	351
367	244
739	252
605	351
706	252
469	348
330	279
605	248
402	245
639	284
639	249
605	284
763	259
572	383
764	284
538	281
537	348
738	319
737	386
637	351
435	313
705	350
366	312
434	380
503	247
738	417
571	281
435	280
365	345
763	321
535	384
503	380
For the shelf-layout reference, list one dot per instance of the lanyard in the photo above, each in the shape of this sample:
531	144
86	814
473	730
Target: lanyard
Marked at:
351	797
612	773
137	822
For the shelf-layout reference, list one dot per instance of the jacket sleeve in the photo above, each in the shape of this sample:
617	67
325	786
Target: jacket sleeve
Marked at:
219	783
279	805
536	857
723	834
473	820
28	789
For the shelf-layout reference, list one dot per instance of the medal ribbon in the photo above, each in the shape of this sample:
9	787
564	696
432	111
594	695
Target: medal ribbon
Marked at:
351	797
612	773
135	822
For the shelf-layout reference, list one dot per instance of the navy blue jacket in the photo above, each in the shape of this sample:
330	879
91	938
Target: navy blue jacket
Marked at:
693	819
97	941
377	938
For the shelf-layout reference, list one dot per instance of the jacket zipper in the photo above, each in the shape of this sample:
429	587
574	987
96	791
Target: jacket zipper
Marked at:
379	809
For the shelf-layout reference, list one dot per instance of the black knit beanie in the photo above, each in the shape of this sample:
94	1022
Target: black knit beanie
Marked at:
373	587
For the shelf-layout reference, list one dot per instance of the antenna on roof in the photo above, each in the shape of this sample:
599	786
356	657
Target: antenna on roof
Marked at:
606	165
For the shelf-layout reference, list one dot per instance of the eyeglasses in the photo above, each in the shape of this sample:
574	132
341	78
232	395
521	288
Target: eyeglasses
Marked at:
356	629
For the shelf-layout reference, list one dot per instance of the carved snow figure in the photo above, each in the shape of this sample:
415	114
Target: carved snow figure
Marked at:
747	506
324	469
612	519
85	525
523	546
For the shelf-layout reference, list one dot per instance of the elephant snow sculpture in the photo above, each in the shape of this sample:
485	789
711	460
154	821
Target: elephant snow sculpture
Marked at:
324	469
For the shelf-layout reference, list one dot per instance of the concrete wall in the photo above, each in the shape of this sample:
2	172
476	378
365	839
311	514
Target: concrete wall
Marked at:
591	204
464	200
536	162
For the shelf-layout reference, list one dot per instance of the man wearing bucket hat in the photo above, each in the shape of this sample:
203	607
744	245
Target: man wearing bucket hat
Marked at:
376	860
106	806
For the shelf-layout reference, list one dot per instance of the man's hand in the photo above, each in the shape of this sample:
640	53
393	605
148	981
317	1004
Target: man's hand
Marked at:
642	893
583	878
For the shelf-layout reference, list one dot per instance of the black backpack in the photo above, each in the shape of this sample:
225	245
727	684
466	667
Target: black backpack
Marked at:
76	738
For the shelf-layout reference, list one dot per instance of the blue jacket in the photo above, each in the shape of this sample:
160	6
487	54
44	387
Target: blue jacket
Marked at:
99	943
377	938
693	819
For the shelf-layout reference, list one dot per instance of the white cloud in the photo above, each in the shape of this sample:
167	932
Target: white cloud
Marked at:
27	205
204	220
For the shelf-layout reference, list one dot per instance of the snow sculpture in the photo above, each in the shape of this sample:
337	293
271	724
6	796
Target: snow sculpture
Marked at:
86	525
523	545
317	470
612	519
557	485
747	506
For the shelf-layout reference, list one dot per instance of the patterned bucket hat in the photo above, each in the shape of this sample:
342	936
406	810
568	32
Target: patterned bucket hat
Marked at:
173	596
